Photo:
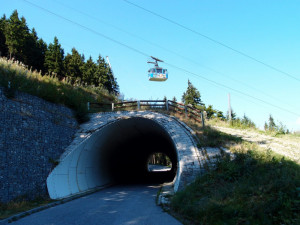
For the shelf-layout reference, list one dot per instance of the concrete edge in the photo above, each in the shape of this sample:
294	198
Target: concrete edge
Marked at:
166	191
52	204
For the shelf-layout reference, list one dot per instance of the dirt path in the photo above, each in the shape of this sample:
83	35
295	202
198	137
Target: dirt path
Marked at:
285	147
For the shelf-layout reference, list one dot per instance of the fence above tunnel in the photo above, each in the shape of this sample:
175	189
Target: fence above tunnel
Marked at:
167	105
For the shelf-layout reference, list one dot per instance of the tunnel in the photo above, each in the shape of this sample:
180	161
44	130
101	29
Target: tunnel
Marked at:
117	153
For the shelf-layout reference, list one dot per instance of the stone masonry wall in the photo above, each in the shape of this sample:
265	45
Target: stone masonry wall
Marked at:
33	135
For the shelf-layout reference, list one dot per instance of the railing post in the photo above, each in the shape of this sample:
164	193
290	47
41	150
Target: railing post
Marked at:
167	105
185	111
88	106
202	119
112	106
138	105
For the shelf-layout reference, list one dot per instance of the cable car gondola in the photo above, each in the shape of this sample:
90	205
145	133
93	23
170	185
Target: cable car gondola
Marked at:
157	73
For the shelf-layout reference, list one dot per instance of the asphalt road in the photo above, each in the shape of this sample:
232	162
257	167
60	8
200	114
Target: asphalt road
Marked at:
133	204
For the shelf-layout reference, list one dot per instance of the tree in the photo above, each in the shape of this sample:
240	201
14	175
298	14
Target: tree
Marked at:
272	126
266	127
246	121
89	72
174	99
74	65
210	112
233	115
105	77
16	33
54	59
220	115
34	50
192	96
3	46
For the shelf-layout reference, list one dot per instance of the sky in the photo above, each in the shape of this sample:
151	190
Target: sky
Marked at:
249	49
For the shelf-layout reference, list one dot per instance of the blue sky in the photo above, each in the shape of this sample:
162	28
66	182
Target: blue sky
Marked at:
266	30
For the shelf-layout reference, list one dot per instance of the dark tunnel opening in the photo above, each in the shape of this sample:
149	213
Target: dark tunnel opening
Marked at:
125	155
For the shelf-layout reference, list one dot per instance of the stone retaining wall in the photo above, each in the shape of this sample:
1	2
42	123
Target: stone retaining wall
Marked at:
33	135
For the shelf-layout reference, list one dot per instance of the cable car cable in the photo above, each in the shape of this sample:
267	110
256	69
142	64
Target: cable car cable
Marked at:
215	41
144	54
173	52
235	90
88	29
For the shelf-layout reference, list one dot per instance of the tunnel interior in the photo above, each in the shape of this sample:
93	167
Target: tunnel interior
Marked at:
117	153
123	155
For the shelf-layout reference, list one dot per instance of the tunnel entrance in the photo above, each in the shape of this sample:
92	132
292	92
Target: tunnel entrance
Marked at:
117	153
129	146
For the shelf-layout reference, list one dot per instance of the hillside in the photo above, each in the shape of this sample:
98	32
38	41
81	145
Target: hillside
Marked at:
260	184
286	145
15	76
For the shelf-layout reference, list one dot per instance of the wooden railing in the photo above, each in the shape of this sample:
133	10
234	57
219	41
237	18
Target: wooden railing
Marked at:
167	105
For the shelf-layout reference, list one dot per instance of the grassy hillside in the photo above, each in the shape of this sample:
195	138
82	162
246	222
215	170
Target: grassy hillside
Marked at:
257	187
50	88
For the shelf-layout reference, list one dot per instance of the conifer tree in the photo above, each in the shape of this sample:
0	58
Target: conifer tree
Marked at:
16	33
192	96
3	47
102	73
220	115
74	65
89	72
233	115
114	84
54	57
34	52
266	127
272	126
210	112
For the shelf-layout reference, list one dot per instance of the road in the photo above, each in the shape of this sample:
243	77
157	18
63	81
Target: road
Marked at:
133	204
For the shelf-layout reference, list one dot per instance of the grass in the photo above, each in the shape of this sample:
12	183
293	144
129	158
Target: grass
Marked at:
257	187
239	125
50	88
21	205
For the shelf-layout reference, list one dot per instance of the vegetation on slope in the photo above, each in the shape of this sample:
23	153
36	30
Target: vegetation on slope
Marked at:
256	187
19	42
15	76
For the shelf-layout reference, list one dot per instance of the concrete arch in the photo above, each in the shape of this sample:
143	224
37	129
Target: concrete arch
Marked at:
108	138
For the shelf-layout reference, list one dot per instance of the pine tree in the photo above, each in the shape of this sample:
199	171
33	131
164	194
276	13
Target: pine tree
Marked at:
54	58
233	115
89	72
272	126
210	112
266	127
220	115
35	51
105	78
16	33
3	46
174	99
74	66
192	96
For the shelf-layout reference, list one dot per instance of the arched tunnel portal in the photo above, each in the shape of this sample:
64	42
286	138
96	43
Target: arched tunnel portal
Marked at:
116	149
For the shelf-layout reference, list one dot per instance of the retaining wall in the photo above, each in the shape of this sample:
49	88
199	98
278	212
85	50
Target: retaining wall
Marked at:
33	135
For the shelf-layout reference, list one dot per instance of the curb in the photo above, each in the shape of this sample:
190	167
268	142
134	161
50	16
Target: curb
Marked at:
52	204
